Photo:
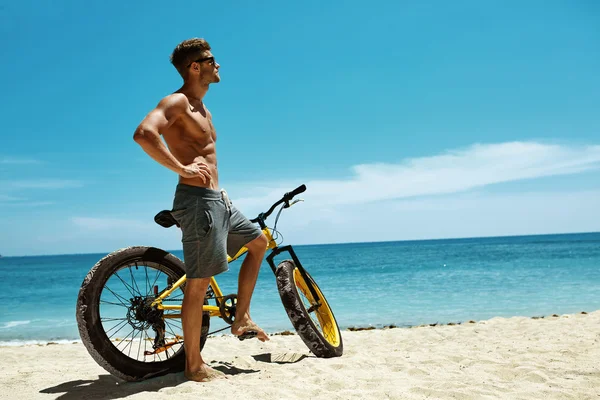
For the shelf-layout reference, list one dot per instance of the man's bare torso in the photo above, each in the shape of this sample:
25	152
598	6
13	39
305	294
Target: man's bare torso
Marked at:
191	138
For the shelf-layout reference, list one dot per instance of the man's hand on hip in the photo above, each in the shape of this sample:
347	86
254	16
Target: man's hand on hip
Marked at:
196	170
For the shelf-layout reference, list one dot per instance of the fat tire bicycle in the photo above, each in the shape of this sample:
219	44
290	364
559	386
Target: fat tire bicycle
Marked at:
129	305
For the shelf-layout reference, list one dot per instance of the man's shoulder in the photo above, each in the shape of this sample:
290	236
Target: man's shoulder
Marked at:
173	103
175	99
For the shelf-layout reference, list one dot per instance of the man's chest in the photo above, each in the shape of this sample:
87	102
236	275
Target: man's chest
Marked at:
200	126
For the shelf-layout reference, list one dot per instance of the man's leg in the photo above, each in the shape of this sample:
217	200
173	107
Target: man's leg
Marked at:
191	314
246	282
195	211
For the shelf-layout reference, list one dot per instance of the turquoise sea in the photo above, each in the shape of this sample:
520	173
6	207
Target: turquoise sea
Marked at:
367	284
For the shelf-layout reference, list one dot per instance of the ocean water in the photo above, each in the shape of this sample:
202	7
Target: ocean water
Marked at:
367	284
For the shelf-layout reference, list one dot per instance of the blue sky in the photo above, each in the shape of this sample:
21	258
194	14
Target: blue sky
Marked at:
406	120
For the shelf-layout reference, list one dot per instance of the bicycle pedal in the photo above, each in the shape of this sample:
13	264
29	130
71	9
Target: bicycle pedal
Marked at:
248	335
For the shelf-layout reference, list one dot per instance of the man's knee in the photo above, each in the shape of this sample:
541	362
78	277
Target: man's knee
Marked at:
196	287
258	245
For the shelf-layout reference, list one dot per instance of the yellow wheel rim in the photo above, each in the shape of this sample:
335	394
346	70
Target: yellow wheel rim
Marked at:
322	316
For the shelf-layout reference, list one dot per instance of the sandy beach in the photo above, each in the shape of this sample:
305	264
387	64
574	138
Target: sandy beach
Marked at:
554	357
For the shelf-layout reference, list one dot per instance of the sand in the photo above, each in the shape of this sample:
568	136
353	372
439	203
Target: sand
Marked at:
556	357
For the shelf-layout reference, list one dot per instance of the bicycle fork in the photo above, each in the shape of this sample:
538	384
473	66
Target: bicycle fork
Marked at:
288	248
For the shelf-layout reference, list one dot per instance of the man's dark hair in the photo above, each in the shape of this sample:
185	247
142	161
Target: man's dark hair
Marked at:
186	52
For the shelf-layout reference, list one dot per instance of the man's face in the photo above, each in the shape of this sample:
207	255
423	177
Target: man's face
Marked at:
207	68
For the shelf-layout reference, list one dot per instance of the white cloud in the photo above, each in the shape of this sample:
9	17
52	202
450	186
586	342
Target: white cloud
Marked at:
453	172
6	198
448	216
11	201
18	161
42	184
111	224
28	203
97	234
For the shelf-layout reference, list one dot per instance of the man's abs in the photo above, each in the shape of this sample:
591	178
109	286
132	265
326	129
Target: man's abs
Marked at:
188	149
214	174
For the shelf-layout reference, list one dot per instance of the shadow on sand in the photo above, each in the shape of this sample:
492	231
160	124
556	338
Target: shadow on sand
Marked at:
280	358
107	387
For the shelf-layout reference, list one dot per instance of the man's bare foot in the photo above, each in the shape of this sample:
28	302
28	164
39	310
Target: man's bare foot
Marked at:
246	325
205	374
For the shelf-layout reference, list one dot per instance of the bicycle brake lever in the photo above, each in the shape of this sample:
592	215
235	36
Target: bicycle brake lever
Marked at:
296	201
288	204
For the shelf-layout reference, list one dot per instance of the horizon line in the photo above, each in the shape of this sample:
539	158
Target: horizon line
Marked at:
335	243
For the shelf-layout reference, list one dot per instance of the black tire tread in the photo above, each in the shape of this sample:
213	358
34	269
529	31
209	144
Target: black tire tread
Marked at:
87	322
303	324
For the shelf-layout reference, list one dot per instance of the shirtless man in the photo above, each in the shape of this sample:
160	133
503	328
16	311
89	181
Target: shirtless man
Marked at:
211	226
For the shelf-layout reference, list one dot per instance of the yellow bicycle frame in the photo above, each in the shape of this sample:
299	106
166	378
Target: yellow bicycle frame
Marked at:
212	310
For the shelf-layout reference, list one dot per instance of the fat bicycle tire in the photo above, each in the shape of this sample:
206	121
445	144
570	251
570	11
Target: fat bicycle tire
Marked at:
320	332
89	321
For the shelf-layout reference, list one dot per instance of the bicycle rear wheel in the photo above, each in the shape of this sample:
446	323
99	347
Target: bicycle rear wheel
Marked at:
116	323
314	322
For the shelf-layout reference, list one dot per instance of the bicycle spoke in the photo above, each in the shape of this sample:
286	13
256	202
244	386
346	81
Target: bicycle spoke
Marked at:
129	288
133	281
171	321
120	325
112	319
155	279
145	343
113	304
129	343
127	285
148	288
118	297
138	352
151	340
123	324
170	331
176	297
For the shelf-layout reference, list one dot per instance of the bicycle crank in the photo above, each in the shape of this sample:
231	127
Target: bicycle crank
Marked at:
227	306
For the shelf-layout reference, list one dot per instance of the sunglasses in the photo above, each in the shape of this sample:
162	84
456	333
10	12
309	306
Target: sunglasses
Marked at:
211	59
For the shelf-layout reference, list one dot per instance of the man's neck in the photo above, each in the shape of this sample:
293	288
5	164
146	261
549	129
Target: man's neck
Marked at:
195	91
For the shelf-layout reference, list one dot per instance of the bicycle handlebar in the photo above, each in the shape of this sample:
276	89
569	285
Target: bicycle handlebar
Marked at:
298	190
286	198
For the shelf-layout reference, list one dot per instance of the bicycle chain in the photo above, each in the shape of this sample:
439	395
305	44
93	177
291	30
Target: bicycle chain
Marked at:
210	298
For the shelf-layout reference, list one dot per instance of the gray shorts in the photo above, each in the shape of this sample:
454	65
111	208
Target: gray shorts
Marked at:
211	229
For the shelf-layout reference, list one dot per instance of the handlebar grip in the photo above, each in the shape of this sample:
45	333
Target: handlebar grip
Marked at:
296	191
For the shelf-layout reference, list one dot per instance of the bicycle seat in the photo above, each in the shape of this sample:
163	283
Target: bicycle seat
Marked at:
165	219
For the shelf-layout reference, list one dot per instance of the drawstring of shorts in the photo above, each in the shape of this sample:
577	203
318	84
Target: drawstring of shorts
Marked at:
226	200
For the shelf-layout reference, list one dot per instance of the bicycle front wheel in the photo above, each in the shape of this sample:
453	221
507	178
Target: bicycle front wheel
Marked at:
314	321
119	328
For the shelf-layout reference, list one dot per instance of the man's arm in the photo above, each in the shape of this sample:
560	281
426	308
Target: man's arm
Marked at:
147	135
